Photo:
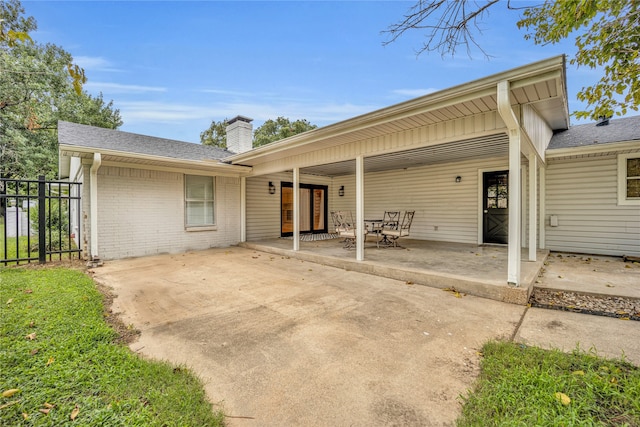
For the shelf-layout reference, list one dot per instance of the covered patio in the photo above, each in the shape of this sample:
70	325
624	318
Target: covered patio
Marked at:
432	155
456	267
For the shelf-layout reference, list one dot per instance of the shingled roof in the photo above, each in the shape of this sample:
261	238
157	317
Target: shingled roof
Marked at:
73	134
618	130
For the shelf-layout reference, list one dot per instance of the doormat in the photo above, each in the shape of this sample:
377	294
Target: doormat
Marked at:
314	237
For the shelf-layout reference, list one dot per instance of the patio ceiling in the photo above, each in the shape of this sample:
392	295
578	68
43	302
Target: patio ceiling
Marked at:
473	148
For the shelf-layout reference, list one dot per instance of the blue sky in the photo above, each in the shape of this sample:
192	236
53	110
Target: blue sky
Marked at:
173	67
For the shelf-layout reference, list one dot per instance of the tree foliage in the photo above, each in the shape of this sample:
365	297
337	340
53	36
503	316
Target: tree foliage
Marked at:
39	85
607	35
216	134
270	131
280	128
611	39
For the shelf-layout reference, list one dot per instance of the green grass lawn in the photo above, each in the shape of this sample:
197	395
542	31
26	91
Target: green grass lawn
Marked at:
528	386
58	351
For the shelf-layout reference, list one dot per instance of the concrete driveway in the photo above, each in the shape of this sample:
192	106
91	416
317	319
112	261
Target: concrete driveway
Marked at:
280	341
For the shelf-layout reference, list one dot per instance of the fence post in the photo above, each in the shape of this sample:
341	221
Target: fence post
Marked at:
42	224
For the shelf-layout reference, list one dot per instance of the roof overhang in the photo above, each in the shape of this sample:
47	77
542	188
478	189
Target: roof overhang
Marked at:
541	85
594	149
146	161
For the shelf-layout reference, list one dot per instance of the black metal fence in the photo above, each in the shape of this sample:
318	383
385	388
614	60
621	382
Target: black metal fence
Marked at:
40	220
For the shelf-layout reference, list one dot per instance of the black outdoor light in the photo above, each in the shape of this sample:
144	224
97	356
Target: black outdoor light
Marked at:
341	191
458	178
272	188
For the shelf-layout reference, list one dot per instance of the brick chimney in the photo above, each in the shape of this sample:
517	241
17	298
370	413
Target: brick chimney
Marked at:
240	134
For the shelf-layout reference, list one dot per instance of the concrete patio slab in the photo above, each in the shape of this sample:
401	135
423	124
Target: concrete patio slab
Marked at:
566	331
283	341
288	342
590	274
472	269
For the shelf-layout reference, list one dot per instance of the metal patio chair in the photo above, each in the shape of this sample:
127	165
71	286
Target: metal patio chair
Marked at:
402	229
347	229
390	222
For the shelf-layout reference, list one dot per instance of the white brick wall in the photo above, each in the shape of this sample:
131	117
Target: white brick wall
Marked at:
141	212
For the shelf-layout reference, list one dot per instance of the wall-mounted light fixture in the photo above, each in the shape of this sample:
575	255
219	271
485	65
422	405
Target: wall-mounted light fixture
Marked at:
458	178
272	188
341	191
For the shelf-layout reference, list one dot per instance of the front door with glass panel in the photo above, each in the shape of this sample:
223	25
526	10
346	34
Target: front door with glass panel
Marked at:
313	208
496	207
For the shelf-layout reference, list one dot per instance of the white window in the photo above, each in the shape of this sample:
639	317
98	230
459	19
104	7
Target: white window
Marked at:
199	200
629	179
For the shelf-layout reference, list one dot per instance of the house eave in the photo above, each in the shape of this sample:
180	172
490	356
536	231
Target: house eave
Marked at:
363	126
148	161
555	153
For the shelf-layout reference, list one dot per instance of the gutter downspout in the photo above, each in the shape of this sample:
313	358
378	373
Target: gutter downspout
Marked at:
511	121
93	185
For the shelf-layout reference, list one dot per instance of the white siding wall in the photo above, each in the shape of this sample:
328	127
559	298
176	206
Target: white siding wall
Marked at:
445	210
431	191
141	212
263	209
583	194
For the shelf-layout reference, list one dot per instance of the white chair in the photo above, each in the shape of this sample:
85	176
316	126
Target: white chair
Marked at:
402	230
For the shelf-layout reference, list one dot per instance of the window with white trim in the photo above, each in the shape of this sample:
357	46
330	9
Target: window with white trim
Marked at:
199	200
629	179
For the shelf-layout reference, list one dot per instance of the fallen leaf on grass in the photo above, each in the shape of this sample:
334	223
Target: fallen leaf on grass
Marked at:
578	372
10	392
48	405
6	405
9	301
50	361
44	411
34	351
563	398
74	413
31	336
28	291
25	415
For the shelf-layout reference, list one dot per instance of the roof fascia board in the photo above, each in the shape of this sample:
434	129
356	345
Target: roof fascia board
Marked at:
192	170
549	68
592	149
189	164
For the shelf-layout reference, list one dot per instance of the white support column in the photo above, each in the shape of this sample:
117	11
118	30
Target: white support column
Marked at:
515	246
296	209
533	206
360	208
243	209
93	183
543	207
515	223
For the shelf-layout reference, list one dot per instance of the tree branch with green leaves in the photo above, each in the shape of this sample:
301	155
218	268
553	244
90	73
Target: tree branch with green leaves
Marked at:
606	33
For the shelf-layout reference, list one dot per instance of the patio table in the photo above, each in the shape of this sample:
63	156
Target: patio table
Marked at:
375	226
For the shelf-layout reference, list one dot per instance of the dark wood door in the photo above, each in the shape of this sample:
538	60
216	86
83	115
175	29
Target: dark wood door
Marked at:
496	207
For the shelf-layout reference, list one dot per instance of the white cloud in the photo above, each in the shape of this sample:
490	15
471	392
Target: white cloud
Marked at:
414	93
112	88
156	112
140	112
95	63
